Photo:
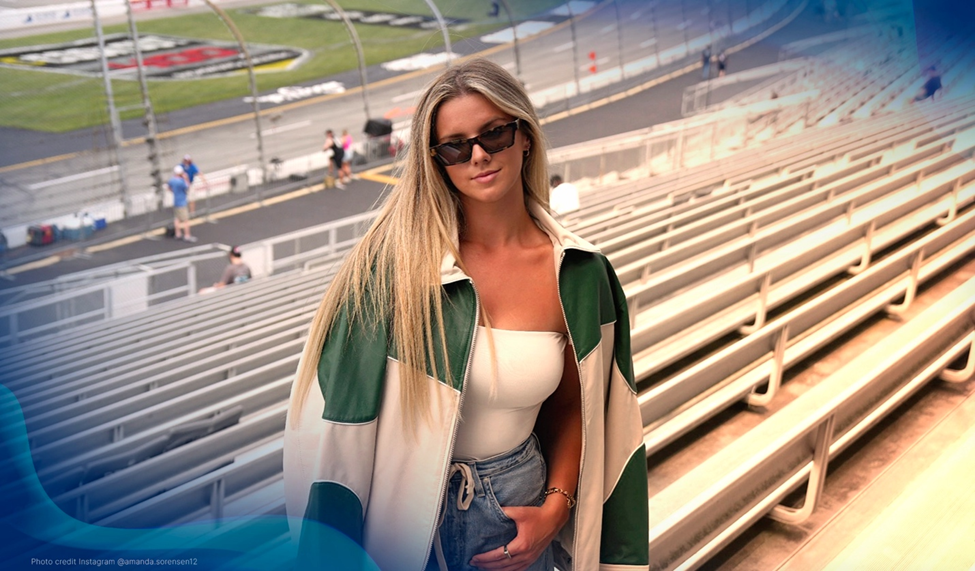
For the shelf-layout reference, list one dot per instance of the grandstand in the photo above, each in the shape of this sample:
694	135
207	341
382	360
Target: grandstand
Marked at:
790	235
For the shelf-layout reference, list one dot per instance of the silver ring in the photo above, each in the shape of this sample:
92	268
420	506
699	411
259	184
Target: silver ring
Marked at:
508	555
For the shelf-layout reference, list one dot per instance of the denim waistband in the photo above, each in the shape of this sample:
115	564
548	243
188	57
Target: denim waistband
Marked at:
472	471
504	460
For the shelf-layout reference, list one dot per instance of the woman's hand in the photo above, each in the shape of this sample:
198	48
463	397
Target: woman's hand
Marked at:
537	528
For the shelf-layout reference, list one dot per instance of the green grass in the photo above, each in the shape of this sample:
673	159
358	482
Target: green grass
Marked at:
54	102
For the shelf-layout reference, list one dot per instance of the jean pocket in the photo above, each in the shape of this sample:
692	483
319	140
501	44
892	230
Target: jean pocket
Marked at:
521	485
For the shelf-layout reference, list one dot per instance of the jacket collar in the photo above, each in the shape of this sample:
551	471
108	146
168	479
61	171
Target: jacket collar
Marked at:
562	239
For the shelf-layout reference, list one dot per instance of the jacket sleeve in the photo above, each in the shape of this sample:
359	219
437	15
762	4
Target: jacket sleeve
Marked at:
625	526
329	452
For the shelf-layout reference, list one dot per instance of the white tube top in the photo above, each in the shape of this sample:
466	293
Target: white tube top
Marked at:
529	369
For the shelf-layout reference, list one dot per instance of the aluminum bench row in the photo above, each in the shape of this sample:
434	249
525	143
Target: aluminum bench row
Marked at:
705	509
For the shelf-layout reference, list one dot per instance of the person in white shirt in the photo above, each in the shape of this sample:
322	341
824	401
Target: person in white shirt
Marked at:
564	197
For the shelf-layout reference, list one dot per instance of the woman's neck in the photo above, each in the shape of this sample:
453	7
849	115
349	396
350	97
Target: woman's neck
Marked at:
497	225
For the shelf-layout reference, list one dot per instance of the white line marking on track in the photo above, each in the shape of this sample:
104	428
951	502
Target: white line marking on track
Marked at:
407	96
563	47
73	177
283	128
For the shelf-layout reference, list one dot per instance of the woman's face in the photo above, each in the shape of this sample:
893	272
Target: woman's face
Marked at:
485	177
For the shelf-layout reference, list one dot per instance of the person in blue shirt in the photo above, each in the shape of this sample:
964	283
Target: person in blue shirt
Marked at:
181	215
191	172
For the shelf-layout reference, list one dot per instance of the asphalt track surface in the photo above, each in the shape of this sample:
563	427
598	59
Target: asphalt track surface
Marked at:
302	209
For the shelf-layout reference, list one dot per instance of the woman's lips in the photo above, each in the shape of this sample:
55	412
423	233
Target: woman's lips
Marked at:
485	177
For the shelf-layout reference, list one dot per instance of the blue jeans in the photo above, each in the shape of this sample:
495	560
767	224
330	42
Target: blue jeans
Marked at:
473	521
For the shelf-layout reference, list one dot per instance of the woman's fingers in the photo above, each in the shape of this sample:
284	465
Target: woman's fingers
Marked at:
497	559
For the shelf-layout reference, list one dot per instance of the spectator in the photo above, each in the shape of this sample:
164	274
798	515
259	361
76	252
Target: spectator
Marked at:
334	150
564	197
706	63
346	170
932	87
181	214
236	272
722	63
191	171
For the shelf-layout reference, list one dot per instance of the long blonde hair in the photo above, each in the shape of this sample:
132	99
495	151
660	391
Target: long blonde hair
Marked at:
395	268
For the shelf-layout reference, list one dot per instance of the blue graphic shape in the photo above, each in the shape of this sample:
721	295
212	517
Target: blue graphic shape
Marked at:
35	530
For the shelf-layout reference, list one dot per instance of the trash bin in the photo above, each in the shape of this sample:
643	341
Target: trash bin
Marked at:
238	182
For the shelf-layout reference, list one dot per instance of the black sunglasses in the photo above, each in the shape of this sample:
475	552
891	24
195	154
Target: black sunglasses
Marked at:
493	141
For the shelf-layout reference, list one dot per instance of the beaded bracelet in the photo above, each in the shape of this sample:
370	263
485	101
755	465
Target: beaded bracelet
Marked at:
568	496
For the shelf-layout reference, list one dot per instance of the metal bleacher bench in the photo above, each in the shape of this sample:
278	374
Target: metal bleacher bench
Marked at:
695	516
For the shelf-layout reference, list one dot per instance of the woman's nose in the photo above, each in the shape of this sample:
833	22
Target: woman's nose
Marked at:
478	154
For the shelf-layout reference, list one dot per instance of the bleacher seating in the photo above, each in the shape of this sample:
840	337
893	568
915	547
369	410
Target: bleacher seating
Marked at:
701	512
734	272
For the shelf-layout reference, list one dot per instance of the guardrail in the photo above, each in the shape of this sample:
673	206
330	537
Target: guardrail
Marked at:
696	98
15	294
140	290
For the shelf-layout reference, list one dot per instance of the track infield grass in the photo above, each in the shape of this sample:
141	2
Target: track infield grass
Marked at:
59	102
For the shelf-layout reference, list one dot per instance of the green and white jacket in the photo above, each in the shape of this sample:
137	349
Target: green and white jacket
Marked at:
349	464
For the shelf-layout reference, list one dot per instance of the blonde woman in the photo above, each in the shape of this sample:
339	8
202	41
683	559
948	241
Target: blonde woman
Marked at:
466	399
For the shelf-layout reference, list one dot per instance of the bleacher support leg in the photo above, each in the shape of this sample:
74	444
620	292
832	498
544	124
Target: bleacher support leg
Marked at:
776	374
897	310
965	374
216	499
953	207
752	256
762	311
81	508
867	251
817	478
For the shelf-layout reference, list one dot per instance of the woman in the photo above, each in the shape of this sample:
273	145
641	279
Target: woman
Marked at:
345	175
334	151
465	399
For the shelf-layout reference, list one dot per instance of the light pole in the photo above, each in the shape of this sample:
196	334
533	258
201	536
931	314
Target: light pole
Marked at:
358	51
443	29
149	118
514	32
112	112
656	34
619	37
253	85
575	55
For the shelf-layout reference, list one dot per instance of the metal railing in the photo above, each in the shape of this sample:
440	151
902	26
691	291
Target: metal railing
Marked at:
672	146
697	98
165	277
